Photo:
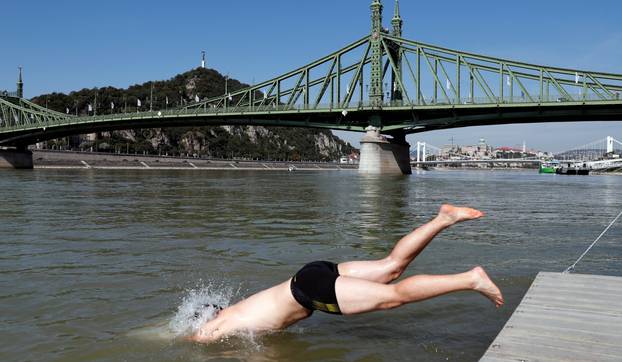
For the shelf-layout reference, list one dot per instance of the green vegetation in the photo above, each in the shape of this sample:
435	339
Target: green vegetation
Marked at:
273	143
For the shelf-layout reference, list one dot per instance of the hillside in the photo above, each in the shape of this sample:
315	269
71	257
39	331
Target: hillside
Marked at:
268	143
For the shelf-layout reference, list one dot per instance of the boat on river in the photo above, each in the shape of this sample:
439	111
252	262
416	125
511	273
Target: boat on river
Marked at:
573	168
549	167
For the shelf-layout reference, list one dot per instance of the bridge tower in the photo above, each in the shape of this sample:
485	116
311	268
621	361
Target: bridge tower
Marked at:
380	155
20	84
610	148
396	54
18	157
422	154
376	96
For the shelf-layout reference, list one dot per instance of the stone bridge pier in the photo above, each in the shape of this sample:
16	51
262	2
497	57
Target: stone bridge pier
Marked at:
16	158
383	156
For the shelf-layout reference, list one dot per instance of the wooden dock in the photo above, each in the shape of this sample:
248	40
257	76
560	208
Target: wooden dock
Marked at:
564	317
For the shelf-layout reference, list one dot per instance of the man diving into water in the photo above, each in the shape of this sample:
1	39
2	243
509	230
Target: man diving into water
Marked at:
352	287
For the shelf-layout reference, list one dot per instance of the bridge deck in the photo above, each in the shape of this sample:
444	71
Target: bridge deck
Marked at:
564	317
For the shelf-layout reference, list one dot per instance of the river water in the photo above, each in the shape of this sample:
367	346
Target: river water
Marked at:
96	264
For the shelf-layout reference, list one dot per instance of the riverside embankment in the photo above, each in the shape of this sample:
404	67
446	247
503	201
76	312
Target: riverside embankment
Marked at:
77	160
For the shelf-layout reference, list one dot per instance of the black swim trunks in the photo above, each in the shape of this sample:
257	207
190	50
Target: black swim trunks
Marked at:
314	287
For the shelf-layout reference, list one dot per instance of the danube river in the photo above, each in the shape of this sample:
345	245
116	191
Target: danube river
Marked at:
104	265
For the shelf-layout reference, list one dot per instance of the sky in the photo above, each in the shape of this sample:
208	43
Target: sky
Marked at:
67	45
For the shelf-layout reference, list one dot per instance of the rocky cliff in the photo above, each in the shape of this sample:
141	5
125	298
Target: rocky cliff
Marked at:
272	143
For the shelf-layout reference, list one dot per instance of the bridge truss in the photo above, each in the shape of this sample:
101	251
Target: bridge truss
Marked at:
450	78
21	113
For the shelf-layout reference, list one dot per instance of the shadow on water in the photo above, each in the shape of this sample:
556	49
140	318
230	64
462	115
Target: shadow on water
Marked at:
383	202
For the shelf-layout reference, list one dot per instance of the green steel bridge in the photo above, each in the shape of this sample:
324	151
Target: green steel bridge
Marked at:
398	85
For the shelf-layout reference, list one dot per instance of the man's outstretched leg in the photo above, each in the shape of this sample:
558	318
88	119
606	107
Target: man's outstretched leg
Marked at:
360	296
390	268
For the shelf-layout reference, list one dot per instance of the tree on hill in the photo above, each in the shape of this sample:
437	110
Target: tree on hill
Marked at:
219	142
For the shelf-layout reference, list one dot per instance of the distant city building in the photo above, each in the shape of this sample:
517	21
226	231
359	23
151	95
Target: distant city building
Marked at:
505	152
484	151
480	151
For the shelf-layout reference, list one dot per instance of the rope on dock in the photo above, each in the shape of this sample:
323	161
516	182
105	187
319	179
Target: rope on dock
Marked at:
571	268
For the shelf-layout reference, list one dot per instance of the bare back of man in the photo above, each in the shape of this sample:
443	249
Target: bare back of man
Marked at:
358	287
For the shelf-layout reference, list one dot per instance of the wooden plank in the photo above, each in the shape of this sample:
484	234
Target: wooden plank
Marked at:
588	291
576	301
568	313
570	320
544	329
584	284
569	317
577	279
526	352
534	346
592	288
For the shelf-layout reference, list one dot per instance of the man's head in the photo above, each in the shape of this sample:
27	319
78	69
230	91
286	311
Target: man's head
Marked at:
215	307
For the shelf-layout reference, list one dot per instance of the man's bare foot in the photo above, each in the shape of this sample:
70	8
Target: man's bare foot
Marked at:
454	214
486	287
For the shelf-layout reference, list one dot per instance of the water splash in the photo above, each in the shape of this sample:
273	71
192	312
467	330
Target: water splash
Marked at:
197	308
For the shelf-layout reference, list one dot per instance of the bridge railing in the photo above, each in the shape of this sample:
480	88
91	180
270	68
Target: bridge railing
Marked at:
579	97
339	108
9	123
429	101
554	99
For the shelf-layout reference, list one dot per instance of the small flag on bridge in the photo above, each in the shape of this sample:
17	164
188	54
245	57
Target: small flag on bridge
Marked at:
508	81
576	78
167	100
67	110
90	108
138	102
112	105
196	98
448	84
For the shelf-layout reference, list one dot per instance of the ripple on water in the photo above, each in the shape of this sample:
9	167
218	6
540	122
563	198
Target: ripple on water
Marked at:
104	253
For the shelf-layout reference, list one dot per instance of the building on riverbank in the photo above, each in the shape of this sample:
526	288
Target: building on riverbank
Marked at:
485	151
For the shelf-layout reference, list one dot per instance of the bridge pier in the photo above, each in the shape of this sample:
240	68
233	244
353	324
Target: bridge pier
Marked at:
382	156
16	159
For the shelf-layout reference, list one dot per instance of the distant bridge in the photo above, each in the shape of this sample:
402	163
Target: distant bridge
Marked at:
599	155
592	151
